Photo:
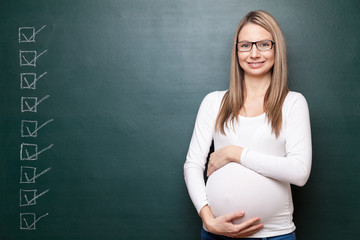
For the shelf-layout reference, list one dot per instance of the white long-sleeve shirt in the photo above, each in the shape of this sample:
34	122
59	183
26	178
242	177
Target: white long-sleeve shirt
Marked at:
260	185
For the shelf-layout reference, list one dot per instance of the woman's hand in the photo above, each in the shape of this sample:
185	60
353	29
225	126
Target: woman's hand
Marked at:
223	225
222	157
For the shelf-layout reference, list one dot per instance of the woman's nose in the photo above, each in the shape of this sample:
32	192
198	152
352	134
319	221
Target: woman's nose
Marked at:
254	52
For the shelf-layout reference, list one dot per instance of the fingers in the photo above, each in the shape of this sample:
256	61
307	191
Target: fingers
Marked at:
211	167
233	216
248	227
224	226
248	223
215	162
209	172
250	230
244	232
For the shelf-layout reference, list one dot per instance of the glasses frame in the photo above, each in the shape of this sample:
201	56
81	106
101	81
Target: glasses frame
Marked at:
252	44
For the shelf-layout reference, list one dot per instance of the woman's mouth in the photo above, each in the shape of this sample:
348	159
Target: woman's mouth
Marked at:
256	64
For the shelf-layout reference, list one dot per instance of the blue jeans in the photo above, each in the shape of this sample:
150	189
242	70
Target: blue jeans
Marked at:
210	236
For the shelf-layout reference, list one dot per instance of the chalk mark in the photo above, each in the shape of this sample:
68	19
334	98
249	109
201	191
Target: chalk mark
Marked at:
32	226
32	200
25	83
36	102
37	175
34	156
33	133
29	62
30	38
26	171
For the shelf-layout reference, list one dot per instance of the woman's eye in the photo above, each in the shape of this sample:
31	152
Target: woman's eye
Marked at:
264	44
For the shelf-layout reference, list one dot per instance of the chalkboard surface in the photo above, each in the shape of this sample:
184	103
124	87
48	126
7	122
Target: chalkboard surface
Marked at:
99	98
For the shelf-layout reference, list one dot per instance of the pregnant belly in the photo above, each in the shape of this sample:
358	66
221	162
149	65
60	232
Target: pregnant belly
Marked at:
234	187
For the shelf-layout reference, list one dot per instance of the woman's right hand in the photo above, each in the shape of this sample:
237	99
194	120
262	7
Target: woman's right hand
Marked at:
223	225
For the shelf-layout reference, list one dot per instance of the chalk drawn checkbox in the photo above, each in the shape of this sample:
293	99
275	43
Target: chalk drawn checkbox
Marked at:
28	221
28	34
28	80
28	197
30	128
29	58
29	174
29	104
29	151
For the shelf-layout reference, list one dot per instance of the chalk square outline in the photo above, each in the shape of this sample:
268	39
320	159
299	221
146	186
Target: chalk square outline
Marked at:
24	61
24	170
31	157
30	109
33	220
24	79
26	123
32	199
26	36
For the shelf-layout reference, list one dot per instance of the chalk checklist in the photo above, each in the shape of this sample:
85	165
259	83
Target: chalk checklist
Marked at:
30	57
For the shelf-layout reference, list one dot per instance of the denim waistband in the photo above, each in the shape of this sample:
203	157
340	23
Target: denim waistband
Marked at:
210	236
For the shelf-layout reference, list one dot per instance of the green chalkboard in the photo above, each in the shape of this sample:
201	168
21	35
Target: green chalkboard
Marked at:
99	98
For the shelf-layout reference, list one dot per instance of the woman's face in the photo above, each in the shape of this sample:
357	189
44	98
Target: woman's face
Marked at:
255	63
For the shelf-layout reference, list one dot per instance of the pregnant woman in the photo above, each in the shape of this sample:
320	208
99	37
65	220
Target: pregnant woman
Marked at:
262	141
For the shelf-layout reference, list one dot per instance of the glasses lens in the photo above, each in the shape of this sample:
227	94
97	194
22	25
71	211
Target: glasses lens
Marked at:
264	45
244	46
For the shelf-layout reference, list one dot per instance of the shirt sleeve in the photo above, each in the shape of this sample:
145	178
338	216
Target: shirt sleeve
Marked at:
295	167
198	151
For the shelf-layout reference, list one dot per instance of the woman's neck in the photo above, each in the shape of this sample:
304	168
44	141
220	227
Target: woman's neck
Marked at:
257	86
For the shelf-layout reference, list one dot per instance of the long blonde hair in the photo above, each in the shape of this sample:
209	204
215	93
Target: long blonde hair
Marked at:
234	98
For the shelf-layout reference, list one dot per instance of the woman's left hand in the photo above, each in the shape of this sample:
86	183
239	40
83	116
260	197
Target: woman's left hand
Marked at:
223	156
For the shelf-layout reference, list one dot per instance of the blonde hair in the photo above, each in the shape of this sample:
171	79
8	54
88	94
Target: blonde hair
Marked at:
234	98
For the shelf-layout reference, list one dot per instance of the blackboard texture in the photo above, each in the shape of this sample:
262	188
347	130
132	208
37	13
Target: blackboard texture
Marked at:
99	98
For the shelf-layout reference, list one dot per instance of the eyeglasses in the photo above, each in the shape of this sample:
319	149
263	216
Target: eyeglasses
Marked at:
262	45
